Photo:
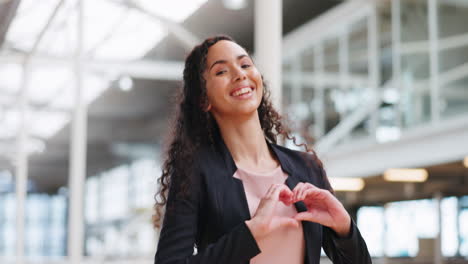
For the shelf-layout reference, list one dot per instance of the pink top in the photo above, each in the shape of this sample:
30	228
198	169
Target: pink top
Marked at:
285	245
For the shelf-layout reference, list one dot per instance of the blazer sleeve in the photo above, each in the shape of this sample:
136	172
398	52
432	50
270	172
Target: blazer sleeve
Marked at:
343	250
179	231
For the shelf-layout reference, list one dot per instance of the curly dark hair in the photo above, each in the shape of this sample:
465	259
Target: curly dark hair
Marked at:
193	127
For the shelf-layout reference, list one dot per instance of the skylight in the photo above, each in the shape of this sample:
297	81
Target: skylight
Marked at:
30	18
46	82
112	31
10	78
174	10
135	35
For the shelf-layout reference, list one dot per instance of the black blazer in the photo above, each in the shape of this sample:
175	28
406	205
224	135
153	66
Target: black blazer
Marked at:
213	214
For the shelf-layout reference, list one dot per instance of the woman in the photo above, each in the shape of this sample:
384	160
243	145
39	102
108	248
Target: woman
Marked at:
229	189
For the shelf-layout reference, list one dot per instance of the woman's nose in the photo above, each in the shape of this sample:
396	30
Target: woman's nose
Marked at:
240	74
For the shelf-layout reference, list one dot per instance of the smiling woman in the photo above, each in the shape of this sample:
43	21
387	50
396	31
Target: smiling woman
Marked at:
234	86
229	189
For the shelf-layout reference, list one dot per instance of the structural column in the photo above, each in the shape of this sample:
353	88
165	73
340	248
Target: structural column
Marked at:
385	259
22	167
434	59
438	259
268	38
344	71
458	226
77	173
296	84
319	96
396	59
343	55
374	64
22	141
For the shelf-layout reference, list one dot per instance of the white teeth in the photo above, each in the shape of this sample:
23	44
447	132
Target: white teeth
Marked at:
242	91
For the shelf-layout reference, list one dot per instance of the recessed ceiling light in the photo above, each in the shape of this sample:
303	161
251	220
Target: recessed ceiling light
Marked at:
406	175
125	83
347	184
235	4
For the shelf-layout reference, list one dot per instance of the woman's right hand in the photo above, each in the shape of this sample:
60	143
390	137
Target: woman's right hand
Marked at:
264	220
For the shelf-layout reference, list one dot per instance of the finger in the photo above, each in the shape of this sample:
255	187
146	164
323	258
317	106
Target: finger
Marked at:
268	195
315	198
271	190
286	196
306	216
285	221
310	186
296	189
319	194
291	222
277	192
315	217
274	192
302	193
307	192
279	188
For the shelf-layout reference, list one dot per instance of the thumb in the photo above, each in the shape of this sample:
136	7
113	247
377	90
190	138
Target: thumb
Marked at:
304	216
287	221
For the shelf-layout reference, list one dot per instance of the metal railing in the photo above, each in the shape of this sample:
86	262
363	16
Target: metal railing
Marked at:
369	53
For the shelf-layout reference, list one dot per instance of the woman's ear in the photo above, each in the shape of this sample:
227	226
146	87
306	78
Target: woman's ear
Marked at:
205	105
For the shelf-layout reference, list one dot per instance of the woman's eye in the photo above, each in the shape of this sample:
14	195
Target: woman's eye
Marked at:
219	73
246	66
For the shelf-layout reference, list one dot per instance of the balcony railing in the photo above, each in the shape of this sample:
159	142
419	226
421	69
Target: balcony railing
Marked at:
376	69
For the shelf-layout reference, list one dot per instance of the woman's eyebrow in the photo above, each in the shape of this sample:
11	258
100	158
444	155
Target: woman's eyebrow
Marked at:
224	61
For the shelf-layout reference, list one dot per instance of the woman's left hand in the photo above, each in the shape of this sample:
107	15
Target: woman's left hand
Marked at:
322	207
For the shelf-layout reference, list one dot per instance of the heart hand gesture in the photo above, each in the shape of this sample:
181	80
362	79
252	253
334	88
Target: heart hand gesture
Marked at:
322	208
265	221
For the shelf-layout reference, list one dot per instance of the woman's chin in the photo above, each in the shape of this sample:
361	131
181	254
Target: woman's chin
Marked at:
238	110
247	111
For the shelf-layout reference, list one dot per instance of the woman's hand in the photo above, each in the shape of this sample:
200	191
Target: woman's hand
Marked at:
264	220
322	208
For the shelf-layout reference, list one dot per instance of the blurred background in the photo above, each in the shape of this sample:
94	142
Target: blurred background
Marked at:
378	87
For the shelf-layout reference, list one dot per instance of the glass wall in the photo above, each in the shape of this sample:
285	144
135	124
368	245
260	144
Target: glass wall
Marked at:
398	229
412	63
118	209
45	225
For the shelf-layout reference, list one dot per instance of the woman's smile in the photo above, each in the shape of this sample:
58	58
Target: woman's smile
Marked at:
234	86
244	92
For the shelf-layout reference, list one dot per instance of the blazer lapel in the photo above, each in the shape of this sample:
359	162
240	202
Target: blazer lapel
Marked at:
231	194
291	182
312	231
292	179
233	197
234	206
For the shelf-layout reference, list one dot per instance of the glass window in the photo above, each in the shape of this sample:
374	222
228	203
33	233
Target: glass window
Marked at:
144	175
464	226
449	226
92	200
114	193
404	223
370	220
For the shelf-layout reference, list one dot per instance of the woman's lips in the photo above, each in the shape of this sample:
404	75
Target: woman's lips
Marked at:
242	91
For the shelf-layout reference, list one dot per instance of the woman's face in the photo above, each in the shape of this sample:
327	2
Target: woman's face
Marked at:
233	84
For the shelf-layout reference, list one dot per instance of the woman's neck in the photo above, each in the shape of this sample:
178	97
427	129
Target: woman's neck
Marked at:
246	142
